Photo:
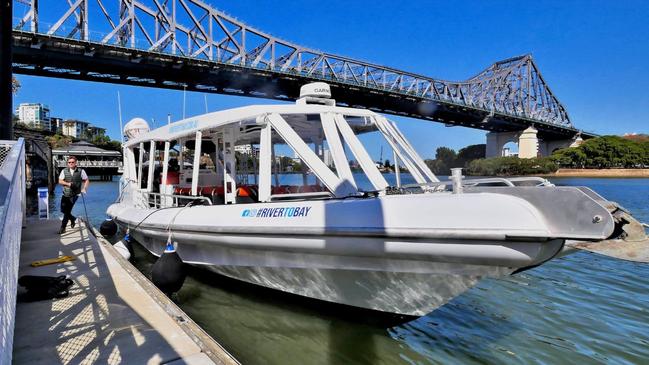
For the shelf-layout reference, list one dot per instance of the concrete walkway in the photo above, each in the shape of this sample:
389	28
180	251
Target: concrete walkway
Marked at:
109	316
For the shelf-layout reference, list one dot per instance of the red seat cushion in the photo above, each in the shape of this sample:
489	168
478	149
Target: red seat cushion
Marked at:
279	190
211	190
182	191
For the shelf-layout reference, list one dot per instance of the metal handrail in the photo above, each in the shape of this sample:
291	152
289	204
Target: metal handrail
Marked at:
511	182
85	163
314	194
175	199
12	219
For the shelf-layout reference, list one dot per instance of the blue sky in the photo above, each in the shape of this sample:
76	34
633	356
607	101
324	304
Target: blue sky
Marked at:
593	54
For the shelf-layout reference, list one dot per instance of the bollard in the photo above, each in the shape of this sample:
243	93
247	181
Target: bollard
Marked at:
456	178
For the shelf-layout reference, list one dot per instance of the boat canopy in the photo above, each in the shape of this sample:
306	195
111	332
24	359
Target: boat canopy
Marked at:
312	128
296	116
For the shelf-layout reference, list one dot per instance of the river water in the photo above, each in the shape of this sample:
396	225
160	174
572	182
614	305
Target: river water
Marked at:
583	308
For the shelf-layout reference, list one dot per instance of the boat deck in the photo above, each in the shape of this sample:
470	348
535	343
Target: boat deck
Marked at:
111	315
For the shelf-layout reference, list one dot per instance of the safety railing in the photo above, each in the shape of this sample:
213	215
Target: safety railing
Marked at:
459	182
86	163
158	200
12	216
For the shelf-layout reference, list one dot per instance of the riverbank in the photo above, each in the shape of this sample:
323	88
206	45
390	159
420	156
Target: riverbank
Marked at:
600	173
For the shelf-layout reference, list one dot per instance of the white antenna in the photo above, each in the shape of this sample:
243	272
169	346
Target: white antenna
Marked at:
119	107
184	99
205	95
168	118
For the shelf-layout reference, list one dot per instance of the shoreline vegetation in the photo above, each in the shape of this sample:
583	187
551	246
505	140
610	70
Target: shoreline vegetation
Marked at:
606	156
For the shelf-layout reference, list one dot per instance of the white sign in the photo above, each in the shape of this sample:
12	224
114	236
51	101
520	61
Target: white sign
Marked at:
43	203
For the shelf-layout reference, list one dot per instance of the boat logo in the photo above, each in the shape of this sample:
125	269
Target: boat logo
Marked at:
183	127
276	212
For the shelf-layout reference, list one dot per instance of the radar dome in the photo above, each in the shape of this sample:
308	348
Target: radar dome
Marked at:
136	127
316	90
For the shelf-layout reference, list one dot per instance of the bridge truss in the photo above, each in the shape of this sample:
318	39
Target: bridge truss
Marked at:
189	44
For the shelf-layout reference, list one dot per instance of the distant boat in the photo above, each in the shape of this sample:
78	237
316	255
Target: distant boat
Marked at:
396	249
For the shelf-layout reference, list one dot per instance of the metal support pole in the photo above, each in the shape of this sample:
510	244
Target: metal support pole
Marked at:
6	97
456	179
197	162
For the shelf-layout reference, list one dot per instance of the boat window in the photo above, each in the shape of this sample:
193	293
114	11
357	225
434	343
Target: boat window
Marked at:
291	176
393	155
158	157
141	154
207	174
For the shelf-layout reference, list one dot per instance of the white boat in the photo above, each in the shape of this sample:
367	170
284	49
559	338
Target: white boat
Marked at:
404	249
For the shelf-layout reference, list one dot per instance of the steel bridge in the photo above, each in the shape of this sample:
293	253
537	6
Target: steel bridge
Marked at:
188	44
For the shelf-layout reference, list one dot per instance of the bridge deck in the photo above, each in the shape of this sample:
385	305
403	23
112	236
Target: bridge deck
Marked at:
109	316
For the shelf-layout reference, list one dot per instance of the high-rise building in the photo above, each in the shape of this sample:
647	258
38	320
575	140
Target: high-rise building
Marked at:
74	128
92	131
327	158
56	125
35	115
247	149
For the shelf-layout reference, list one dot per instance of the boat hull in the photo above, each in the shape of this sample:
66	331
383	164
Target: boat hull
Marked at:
402	284
404	254
402	293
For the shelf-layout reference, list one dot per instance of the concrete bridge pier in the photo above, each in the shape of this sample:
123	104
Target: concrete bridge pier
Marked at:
529	145
547	147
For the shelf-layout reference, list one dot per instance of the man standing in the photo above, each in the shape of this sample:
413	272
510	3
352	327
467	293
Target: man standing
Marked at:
71	178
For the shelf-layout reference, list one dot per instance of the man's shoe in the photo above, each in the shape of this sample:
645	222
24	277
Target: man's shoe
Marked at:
73	222
62	230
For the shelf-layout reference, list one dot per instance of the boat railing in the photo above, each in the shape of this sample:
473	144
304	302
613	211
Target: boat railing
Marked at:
489	181
12	219
510	181
294	196
519	181
159	200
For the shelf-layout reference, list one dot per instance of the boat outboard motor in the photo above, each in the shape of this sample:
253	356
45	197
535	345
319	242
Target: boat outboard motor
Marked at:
108	228
168	273
124	246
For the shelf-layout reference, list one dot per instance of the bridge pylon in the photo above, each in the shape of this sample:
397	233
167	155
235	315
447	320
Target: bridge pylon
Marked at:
530	144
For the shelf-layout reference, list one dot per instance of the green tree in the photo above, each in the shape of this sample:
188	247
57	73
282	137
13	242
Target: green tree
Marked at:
446	155
508	166
59	141
604	152
470	153
99	140
444	160
570	157
285	162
